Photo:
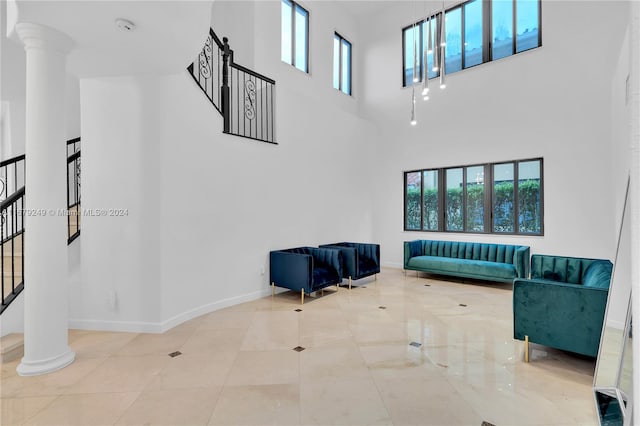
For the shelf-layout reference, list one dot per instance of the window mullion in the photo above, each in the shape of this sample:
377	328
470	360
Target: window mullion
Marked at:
516	201
464	199
422	200
487	33
488	196
515	30
340	62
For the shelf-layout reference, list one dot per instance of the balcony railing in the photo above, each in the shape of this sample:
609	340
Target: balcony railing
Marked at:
11	247
245	98
12	211
73	189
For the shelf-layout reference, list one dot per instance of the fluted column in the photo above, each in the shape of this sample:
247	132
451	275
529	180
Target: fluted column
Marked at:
46	345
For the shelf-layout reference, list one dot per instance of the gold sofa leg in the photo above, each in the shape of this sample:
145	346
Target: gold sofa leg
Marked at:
349	282
526	348
302	296
273	289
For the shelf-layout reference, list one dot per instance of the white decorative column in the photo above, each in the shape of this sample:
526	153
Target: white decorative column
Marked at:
46	296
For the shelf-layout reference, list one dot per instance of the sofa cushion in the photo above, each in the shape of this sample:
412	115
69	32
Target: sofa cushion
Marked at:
323	274
550	275
598	274
479	268
366	265
558	268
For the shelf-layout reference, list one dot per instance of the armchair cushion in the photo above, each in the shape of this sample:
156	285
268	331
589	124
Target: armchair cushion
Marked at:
598	274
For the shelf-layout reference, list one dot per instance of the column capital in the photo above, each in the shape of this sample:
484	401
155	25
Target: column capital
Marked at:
38	36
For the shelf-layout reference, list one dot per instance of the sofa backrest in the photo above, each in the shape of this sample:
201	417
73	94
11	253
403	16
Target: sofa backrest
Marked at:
501	253
571	270
299	250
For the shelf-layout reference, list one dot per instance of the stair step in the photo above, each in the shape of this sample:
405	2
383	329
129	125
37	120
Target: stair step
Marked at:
11	347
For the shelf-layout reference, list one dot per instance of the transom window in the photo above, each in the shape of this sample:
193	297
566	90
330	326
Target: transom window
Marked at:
498	198
341	64
476	32
295	35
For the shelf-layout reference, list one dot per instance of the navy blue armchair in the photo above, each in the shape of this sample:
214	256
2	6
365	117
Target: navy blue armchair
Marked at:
305	269
359	260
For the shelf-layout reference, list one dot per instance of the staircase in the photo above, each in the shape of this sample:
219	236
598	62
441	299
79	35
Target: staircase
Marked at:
244	98
12	208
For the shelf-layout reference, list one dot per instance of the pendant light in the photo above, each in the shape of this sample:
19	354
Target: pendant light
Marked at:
443	45
413	106
425	72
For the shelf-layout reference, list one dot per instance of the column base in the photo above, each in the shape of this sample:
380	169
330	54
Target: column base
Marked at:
35	368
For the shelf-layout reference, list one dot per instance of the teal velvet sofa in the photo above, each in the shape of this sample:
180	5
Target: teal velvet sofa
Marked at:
562	305
484	261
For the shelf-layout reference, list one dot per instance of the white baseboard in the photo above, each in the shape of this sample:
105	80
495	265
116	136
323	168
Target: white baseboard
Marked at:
211	307
618	325
161	327
393	265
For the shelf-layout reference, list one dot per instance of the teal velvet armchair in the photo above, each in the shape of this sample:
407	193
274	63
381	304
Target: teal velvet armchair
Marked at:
563	304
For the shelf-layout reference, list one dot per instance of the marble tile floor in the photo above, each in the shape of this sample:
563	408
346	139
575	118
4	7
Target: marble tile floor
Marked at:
399	350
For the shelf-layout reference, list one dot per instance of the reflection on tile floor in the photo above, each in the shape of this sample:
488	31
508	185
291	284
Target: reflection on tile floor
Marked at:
440	353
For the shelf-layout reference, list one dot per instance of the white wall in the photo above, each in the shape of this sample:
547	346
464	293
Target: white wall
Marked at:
552	102
621	167
234	19
206	208
120	257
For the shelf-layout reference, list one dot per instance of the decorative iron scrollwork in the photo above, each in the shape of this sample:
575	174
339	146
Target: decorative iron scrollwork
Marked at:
249	99
205	58
2	187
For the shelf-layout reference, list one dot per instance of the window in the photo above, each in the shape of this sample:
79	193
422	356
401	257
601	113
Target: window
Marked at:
499	198
476	31
295	35
341	64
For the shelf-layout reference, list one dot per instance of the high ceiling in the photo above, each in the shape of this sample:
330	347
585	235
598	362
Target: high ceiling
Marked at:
167	36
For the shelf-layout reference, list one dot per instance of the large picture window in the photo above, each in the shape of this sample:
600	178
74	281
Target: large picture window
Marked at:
475	32
499	198
295	35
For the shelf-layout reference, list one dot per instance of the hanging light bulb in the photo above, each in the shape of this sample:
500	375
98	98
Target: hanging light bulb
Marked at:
443	84
416	78
425	78
443	44
413	106
430	40
443	41
435	49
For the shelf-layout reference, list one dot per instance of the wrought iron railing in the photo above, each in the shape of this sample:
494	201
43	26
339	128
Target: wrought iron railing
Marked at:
73	189
12	211
11	247
11	176
245	98
207	69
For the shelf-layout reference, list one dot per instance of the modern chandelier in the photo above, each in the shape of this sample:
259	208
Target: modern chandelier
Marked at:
438	51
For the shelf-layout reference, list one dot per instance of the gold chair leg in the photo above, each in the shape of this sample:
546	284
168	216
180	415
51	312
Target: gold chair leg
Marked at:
337	286
526	348
273	289
302	296
375	277
349	283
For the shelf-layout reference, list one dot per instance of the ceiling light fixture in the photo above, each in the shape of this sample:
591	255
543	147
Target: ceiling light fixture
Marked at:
125	24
